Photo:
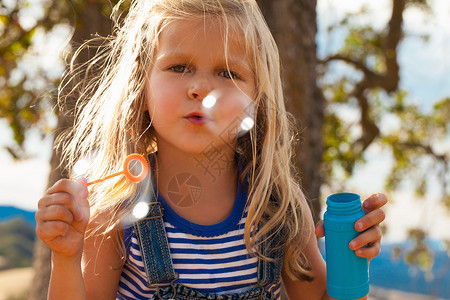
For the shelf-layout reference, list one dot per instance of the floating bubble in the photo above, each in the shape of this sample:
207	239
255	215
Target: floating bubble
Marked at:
209	101
140	210
247	124
81	167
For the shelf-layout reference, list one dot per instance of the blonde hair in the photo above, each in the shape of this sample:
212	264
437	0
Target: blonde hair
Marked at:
111	123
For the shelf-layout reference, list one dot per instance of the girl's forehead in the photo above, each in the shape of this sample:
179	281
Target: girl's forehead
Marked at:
207	31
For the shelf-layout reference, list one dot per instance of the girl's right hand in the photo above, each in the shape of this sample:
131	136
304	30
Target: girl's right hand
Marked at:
62	217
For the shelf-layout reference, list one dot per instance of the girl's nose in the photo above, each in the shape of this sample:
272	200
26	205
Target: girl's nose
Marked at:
200	87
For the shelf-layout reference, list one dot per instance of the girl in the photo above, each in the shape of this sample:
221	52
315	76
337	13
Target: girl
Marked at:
195	85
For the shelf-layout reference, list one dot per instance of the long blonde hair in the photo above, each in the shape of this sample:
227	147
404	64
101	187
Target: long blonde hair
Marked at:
111	123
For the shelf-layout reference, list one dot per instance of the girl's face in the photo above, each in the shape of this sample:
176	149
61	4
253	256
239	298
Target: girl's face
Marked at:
190	65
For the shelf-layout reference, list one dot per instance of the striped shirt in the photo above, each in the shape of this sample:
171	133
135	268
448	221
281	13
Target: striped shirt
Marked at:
208	258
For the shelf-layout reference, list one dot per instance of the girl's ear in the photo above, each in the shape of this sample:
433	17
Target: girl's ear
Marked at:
144	96
147	119
146	114
144	106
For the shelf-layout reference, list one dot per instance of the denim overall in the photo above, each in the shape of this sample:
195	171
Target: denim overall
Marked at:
152	238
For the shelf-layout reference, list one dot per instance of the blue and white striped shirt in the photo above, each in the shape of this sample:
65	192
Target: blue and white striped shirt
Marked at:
208	258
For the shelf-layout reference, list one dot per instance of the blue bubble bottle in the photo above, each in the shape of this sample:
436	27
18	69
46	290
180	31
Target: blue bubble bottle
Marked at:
347	274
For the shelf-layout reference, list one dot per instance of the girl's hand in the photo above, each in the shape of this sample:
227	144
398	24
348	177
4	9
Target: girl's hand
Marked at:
368	225
62	217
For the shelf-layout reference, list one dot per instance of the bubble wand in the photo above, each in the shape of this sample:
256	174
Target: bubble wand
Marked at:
126	170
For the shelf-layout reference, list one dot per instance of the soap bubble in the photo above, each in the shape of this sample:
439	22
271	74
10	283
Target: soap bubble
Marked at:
140	210
81	167
209	101
247	124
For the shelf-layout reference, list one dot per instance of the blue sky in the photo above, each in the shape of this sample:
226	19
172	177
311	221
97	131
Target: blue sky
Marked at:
425	74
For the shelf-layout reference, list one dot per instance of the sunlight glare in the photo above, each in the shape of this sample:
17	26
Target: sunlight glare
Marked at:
247	124
209	101
140	210
81	167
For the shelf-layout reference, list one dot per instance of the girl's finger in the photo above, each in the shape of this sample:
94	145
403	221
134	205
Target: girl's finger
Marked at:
54	199
320	230
372	250
72	187
374	202
60	199
368	237
71	193
49	230
371	219
55	213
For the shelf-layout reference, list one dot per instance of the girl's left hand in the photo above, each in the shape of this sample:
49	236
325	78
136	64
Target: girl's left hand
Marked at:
368	225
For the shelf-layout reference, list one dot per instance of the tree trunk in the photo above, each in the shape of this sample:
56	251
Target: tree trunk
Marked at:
293	23
89	20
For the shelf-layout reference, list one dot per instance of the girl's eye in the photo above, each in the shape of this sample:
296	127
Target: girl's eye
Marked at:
229	74
179	69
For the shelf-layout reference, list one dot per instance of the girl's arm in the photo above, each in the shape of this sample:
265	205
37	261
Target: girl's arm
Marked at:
94	276
371	237
102	264
315	289
61	221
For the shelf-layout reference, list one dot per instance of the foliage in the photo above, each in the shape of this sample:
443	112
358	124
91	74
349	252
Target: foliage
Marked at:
26	84
16	244
369	92
418	134
418	254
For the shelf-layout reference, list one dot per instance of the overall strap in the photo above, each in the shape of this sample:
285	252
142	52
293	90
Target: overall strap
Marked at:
151	234
269	271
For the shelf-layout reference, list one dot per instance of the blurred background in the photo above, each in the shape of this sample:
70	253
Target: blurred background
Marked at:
368	82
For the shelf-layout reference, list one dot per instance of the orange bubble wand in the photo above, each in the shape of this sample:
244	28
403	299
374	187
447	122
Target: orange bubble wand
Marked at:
126	171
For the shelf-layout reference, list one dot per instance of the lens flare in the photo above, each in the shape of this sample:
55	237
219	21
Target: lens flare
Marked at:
247	124
209	101
140	210
81	167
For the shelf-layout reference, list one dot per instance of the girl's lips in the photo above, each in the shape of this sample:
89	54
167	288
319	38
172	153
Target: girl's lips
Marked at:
196	118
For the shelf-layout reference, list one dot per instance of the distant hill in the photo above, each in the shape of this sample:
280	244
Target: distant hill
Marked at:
17	232
16	244
8	213
390	273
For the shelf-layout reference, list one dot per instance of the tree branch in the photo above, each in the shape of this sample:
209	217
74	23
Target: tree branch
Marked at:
388	80
393	37
370	130
426	148
358	64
